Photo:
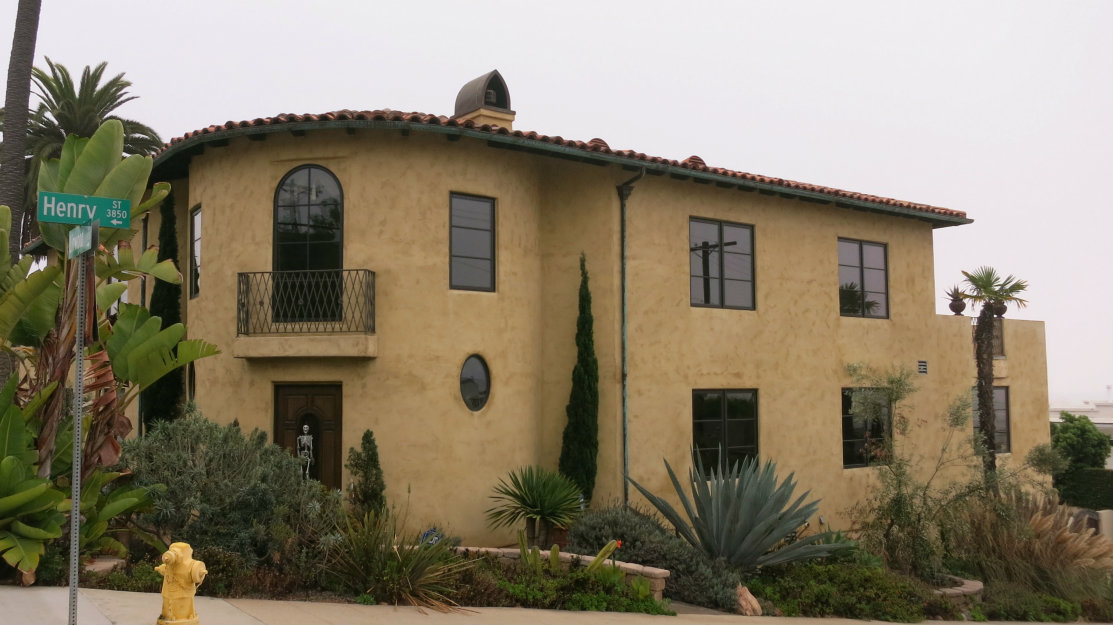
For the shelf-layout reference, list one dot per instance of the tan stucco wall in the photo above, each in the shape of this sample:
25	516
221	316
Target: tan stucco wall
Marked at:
440	459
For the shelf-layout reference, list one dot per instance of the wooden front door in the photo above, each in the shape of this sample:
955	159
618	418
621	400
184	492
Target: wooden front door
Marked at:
307	421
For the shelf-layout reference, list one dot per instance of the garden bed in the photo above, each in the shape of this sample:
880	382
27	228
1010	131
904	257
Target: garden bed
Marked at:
512	556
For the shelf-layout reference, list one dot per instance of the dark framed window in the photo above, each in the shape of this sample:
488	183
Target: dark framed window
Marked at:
866	427
308	246
1000	418
195	251
721	264
472	243
475	382
863	279
724	426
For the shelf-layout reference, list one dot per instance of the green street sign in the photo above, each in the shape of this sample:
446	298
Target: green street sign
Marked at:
81	241
68	208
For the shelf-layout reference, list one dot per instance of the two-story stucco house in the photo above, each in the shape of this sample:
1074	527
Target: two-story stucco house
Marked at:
417	275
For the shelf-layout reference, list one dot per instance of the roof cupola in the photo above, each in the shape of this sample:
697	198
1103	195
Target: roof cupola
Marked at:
485	100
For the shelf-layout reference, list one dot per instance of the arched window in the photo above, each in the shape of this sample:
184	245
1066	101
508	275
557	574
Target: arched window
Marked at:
308	245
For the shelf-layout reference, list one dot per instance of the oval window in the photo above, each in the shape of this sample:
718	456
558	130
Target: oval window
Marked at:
475	382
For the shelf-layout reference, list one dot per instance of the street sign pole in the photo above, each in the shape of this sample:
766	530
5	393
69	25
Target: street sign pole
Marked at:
78	406
83	257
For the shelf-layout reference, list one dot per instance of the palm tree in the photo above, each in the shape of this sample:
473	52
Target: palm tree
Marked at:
66	107
986	288
14	125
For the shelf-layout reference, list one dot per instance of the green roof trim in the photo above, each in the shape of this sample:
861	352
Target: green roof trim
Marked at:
184	147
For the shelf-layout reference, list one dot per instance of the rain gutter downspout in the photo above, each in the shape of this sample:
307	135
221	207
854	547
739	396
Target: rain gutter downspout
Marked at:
624	191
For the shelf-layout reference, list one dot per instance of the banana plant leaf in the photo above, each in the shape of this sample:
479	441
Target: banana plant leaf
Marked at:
99	156
20	300
126	267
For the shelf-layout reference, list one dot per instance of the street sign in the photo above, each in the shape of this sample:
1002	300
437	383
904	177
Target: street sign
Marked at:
68	208
81	241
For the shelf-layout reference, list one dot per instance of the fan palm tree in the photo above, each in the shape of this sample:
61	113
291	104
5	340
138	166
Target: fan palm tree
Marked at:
66	107
993	293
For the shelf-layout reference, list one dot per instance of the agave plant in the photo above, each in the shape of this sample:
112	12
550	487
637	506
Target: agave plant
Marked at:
544	499
743	515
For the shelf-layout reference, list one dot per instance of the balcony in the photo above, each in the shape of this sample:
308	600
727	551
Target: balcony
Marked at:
287	314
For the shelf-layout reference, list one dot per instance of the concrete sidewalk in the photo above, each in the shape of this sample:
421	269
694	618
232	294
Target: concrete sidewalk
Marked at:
50	606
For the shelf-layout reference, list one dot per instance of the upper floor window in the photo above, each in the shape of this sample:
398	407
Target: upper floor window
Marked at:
724	426
1000	418
863	279
866	427
472	243
721	264
308	246
195	251
998	335
308	221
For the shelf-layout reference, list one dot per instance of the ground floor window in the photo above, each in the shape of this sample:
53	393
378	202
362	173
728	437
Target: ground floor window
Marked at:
724	425
1000	418
866	425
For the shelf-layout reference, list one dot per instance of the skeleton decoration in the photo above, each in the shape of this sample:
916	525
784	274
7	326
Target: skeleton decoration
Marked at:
305	448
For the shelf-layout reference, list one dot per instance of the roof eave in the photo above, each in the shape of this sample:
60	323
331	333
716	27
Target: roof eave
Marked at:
497	138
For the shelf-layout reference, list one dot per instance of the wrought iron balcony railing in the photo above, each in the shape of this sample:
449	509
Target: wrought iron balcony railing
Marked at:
306	302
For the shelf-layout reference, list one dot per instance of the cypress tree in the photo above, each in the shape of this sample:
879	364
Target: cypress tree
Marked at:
367	491
580	444
163	399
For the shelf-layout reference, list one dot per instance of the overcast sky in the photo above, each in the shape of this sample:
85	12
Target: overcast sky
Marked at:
1000	109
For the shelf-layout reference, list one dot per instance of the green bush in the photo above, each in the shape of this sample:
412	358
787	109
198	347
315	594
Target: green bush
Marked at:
1080	441
1086	488
366	492
372	556
229	574
235	492
694	578
1013	602
478	585
134	577
847	591
578	589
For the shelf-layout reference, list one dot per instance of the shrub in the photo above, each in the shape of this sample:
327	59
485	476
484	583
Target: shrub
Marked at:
373	557
542	498
742	514
848	591
229	574
1032	543
694	578
1086	487
478	585
234	491
601	589
1012	602
366	492
1079	440
136	577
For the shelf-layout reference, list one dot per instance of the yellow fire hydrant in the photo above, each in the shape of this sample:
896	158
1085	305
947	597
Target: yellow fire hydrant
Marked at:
181	575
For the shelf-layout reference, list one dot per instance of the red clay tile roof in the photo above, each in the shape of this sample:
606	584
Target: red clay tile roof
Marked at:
694	164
